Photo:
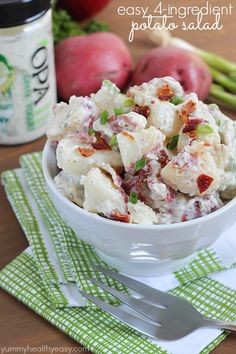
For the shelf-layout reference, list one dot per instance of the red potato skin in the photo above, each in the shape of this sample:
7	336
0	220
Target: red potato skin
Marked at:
184	66
83	62
82	9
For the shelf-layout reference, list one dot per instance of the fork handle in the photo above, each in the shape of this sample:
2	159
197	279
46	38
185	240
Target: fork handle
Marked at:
220	324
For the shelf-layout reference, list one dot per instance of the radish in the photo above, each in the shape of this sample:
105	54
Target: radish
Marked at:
223	89
83	62
184	66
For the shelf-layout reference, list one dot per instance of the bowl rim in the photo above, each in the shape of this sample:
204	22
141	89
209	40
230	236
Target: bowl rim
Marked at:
77	208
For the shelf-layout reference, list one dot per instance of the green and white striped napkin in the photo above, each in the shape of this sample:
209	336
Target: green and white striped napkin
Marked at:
47	276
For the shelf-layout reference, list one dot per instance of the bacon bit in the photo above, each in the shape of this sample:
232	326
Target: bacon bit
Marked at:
192	124
204	182
187	110
120	217
194	155
163	158
143	110
86	152
165	93
128	135
152	102
100	144
206	144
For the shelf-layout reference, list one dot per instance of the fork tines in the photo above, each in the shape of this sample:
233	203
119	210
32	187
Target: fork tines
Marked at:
150	311
163	316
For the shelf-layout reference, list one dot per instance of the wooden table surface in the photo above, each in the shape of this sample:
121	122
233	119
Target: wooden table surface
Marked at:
20	326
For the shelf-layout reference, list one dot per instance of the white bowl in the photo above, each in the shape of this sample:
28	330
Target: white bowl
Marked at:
143	250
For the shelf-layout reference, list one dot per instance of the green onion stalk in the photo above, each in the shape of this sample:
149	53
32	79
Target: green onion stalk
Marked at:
219	95
223	71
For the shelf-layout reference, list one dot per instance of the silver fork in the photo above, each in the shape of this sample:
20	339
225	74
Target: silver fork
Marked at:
164	316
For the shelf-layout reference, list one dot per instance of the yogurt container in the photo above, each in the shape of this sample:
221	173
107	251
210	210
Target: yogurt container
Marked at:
27	71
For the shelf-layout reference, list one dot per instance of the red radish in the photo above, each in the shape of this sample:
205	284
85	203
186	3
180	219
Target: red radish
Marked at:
82	9
184	66
83	62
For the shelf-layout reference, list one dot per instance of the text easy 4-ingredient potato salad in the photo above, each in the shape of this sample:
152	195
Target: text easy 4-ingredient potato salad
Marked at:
151	156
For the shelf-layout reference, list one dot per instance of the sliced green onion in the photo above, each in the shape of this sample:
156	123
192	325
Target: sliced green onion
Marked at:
107	83
113	141
118	111
218	121
176	100
204	129
111	86
133	198
140	164
173	143
129	102
92	132
104	118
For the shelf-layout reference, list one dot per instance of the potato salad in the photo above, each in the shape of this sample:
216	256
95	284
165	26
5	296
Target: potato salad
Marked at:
151	156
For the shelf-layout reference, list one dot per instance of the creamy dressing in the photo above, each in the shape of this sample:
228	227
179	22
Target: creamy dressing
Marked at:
27	80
